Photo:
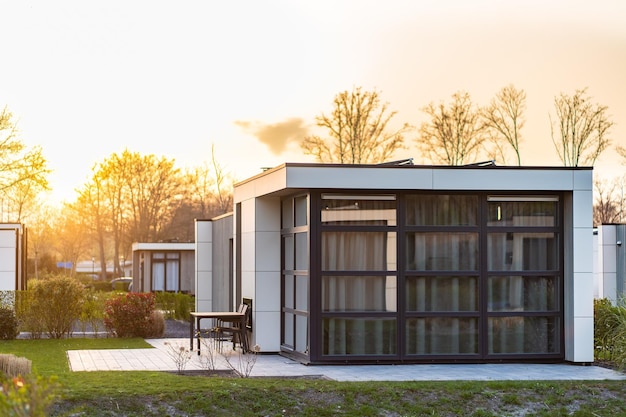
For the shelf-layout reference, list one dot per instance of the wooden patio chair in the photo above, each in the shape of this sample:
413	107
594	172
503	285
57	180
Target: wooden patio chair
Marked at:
232	330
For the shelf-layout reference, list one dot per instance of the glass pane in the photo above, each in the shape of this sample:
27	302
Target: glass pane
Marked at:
302	293
301	211
158	276
288	250
522	213
523	251
441	335
359	293
289	339
359	210
358	251
289	292
441	210
287	214
158	255
523	335
173	255
302	251
517	293
442	251
442	293
302	334
359	336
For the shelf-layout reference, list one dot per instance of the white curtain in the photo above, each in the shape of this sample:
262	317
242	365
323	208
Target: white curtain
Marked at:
172	275
355	251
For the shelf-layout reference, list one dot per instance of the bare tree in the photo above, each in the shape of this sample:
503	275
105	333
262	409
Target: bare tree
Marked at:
357	129
609	202
504	118
580	131
454	135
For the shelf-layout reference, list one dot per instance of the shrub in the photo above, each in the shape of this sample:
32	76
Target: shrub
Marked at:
610	331
26	317
8	324
156	325
92	312
57	302
130	314
28	395
174	305
184	305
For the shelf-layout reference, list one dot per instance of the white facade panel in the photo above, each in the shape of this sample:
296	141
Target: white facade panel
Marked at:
266	331
7	280
583	208
583	180
583	343
506	180
203	261
583	302
583	250
204	266
359	178
267	292
268	251
7	238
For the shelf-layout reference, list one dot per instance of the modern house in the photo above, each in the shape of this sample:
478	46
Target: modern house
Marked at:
164	266
403	263
12	257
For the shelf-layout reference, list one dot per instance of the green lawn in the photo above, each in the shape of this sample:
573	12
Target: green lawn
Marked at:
167	394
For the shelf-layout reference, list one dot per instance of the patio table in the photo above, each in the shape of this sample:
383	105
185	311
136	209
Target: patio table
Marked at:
232	316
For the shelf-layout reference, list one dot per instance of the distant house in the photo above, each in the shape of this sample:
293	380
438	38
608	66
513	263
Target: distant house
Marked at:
12	256
163	266
384	263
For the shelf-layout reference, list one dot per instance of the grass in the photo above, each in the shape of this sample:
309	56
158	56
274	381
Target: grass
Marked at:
167	394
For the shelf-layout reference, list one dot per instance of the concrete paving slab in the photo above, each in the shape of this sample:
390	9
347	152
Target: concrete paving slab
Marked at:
162	358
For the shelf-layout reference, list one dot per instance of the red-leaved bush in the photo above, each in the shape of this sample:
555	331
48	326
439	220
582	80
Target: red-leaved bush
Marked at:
132	315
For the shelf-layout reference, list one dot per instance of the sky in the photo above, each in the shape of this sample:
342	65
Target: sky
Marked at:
86	79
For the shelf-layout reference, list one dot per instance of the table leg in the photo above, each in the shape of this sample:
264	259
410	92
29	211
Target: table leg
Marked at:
198	335
191	332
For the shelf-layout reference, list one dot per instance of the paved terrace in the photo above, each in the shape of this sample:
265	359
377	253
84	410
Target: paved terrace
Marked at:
158	359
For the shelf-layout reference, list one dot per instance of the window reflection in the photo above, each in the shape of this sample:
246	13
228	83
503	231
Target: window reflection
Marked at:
441	210
359	210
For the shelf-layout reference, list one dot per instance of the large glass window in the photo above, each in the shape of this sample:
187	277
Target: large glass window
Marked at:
433	276
166	271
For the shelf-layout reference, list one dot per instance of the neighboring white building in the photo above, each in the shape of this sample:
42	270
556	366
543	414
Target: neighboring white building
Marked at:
384	263
164	266
12	257
610	262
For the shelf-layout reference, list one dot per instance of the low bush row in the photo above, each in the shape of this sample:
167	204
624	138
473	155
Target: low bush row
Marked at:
610	331
57	305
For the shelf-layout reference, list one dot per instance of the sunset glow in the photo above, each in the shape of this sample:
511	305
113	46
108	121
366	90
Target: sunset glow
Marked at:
85	79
